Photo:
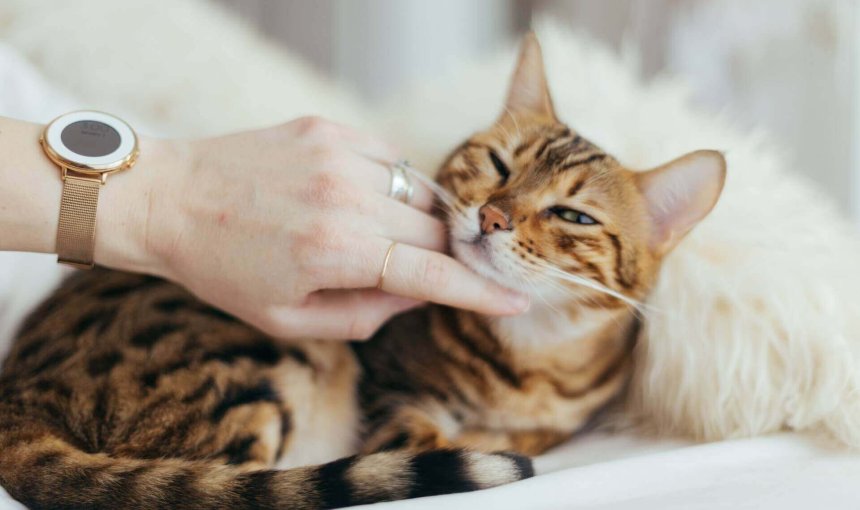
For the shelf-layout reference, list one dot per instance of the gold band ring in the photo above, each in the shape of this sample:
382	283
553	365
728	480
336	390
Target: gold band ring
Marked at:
385	265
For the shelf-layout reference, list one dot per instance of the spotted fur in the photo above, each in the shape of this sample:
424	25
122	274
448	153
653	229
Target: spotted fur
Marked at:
124	391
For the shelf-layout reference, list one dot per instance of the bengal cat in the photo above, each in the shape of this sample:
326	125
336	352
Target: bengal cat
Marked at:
124	391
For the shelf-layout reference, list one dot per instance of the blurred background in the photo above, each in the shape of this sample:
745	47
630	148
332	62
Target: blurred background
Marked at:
789	66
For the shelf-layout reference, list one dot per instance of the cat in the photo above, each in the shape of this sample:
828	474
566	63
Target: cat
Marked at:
124	391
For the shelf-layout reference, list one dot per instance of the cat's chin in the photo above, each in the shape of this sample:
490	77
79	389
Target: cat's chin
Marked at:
477	258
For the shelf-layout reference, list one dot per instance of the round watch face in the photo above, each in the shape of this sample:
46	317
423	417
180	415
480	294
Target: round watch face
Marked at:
90	138
90	141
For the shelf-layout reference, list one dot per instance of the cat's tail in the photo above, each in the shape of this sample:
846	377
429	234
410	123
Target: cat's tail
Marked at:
44	471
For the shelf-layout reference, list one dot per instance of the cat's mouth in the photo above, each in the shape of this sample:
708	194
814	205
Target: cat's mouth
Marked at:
479	254
483	253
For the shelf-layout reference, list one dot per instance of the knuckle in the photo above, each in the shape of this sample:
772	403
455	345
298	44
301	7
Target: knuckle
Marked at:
309	123
316	127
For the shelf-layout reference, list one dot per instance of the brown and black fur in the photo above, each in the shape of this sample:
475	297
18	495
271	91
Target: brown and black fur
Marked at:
127	392
124	391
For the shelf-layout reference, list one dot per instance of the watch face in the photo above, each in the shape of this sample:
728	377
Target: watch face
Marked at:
90	142
90	138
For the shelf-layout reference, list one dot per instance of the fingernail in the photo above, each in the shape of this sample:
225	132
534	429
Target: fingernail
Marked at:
518	301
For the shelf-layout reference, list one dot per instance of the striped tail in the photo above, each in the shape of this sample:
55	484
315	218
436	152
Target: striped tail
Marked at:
48	473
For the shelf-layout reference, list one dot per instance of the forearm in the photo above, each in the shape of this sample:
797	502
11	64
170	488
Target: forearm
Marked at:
30	200
284	227
30	188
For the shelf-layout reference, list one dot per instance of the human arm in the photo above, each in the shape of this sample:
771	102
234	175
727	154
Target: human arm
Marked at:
286	227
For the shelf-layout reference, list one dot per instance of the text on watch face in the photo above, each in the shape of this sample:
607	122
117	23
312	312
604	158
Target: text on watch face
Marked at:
90	138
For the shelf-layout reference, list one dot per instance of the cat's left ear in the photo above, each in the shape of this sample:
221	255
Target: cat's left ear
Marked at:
681	193
528	91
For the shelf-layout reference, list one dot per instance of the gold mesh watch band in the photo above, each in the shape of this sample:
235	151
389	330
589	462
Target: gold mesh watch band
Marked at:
77	229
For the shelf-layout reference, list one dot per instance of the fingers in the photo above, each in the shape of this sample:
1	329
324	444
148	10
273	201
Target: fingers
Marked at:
319	130
423	275
406	225
377	176
369	146
375	157
340	314
430	276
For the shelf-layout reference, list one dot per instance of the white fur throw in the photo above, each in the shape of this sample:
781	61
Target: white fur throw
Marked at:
755	323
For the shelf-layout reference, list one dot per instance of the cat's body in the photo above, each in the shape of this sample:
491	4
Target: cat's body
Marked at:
124	391
177	379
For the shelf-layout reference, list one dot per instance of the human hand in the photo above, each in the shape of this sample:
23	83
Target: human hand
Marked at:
287	228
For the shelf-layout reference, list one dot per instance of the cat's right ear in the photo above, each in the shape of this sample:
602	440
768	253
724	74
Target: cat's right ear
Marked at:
528	91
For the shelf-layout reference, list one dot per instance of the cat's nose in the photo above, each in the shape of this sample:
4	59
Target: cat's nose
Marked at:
492	219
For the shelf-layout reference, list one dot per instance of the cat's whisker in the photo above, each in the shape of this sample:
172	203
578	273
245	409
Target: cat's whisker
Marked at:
544	279
586	282
536	292
534	289
533	274
441	193
453	210
536	273
539	294
556	285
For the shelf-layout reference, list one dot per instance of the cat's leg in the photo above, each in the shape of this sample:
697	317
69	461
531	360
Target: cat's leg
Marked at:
432	427
231	416
412	428
253	437
526	442
301	411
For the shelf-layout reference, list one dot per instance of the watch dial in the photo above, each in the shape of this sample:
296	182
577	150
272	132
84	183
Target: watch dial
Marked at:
90	138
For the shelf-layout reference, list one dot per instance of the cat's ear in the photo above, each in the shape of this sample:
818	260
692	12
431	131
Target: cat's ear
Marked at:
681	193
528	91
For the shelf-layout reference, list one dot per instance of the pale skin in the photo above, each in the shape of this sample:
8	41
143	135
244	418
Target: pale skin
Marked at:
286	227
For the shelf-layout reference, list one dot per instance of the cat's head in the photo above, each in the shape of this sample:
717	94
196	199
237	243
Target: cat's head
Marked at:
537	207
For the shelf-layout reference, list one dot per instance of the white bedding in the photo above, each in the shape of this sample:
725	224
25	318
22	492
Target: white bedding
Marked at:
596	471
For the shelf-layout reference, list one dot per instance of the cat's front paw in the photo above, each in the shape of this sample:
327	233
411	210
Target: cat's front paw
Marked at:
414	438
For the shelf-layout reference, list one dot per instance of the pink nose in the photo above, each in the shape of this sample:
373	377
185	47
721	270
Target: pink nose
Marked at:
492	219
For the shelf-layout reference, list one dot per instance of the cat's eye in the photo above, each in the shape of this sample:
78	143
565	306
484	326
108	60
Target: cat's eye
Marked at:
573	216
501	167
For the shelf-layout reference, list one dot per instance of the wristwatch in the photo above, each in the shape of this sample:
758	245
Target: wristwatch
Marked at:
88	146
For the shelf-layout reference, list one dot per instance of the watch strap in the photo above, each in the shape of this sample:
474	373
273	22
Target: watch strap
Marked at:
77	228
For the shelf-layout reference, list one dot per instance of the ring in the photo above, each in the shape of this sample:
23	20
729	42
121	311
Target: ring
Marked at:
385	265
401	186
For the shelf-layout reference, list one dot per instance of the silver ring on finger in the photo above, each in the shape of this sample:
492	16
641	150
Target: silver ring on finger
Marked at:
401	185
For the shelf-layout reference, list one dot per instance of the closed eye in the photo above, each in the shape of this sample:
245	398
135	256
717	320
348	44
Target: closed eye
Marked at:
573	216
501	167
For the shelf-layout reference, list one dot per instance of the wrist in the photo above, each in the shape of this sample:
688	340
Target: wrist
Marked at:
134	218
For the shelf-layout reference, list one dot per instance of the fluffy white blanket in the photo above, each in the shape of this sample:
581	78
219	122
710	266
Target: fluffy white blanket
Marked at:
754	325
